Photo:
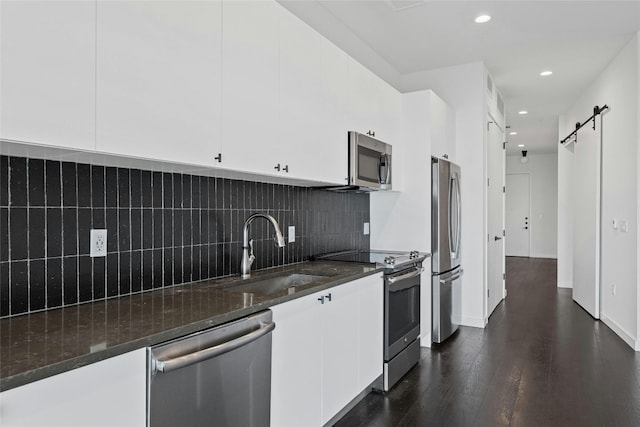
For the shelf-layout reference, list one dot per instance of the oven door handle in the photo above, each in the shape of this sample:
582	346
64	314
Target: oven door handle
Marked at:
396	279
450	279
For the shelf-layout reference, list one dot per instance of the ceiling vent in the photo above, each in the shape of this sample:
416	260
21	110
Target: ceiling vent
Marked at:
500	105
489	84
398	5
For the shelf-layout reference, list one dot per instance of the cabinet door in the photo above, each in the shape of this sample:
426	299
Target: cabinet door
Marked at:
313	94
296	364
442	120
329	160
364	99
107	393
159	79
47	71
339	349
370	329
250	90
299	93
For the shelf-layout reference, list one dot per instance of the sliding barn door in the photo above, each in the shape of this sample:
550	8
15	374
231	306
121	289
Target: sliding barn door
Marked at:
586	219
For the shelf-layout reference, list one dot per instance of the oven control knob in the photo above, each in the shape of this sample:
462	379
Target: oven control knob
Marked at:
405	339
414	254
390	260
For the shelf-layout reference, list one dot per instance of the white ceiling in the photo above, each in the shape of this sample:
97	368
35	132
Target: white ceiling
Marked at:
574	39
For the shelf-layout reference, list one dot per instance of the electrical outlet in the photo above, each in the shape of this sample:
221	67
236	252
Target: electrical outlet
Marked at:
98	243
292	233
365	229
613	290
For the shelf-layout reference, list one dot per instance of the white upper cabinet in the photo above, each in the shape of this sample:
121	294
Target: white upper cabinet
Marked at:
375	105
250	86
364	99
47	69
312	102
241	85
442	121
159	79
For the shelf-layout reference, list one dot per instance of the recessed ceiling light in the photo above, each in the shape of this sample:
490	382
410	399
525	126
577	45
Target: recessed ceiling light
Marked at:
481	19
522	112
513	133
520	145
546	73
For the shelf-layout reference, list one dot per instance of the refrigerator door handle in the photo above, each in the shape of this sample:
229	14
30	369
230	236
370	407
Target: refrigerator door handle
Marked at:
458	274
454	215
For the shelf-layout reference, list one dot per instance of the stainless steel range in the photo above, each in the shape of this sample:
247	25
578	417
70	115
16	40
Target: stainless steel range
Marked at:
401	307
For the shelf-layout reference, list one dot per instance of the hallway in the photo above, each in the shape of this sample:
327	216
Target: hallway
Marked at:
541	361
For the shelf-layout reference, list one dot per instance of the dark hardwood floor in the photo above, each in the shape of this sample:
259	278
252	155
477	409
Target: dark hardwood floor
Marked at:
541	361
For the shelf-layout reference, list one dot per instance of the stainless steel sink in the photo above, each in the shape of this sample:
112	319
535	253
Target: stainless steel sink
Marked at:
276	284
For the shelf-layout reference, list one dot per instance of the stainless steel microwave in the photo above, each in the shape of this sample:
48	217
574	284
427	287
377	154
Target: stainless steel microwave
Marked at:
369	162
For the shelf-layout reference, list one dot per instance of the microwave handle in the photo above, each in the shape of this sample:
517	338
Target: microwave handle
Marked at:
384	168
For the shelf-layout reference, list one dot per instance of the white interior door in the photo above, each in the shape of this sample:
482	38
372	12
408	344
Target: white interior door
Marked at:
518	203
495	244
586	220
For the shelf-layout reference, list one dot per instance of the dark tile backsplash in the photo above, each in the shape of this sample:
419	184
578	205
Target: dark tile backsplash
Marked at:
162	229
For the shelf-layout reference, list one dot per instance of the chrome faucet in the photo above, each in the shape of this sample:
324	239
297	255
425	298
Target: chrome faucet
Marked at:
247	245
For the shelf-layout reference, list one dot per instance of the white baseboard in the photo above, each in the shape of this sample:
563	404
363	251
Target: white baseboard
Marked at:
474	322
626	337
565	284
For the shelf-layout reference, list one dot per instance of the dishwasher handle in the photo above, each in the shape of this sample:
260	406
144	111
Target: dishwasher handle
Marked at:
169	365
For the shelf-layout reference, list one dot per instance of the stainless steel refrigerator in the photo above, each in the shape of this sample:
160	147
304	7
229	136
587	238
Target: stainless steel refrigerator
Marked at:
446	248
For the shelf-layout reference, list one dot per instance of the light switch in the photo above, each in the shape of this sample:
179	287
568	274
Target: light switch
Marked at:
366	229
292	233
624	225
614	224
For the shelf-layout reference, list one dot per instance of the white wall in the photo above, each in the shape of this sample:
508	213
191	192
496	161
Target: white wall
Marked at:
402	220
565	214
463	88
543	169
617	87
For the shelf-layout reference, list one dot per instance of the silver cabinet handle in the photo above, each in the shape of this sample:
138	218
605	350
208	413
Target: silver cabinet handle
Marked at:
169	365
496	238
452	278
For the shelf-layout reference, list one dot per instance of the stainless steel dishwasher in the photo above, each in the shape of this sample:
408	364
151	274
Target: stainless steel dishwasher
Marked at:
217	377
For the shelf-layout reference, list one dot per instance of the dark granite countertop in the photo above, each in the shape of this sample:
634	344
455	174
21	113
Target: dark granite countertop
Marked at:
39	345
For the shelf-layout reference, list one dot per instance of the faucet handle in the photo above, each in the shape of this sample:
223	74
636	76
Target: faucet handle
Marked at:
250	247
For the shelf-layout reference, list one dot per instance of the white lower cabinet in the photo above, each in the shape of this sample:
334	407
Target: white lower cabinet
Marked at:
296	360
370	329
107	393
327	348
